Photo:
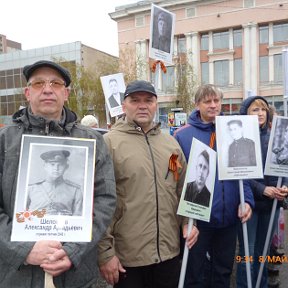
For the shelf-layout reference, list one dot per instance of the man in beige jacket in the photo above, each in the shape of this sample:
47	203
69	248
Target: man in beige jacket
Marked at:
141	248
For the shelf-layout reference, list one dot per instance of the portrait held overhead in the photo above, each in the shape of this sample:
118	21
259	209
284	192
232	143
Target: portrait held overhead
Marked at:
58	196
241	151
149	170
162	31
34	263
196	191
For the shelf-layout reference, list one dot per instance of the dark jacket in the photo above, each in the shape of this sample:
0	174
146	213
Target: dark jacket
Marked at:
262	202
200	198
13	272
226	198
112	101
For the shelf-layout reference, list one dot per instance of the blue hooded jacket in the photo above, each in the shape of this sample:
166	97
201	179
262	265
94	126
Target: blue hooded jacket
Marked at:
226	197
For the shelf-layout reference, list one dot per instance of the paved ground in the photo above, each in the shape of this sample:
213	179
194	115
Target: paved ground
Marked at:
283	268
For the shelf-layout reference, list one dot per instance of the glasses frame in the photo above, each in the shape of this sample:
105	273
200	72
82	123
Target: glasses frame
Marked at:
54	84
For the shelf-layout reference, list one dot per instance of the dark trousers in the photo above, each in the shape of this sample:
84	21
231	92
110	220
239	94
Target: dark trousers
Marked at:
220	243
161	275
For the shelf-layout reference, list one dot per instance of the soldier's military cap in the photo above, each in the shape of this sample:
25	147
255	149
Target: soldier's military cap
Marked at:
55	155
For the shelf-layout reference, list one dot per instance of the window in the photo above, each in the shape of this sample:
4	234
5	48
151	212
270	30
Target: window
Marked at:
264	69
139	21
248	3
280	32
167	80
181	45
204	42
205	73
190	12
221	40
237	38
238	78
221	73
278	73
263	34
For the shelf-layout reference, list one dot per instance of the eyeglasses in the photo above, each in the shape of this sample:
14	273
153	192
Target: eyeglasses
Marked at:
40	84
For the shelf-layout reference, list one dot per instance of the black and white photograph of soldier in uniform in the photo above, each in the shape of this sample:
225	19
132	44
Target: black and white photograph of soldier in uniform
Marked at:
54	193
241	151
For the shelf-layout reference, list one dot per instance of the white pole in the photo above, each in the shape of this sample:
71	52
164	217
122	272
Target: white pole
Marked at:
185	256
285	78
245	237
268	236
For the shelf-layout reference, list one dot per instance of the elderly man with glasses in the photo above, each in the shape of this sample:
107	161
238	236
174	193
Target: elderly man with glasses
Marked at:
26	264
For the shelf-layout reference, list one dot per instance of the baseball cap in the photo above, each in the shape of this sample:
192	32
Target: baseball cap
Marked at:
29	69
139	86
55	155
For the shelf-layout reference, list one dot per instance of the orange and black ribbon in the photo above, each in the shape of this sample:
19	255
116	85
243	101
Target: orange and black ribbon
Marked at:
162	66
212	140
174	166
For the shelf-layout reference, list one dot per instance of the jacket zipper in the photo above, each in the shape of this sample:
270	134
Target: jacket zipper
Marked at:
156	190
46	128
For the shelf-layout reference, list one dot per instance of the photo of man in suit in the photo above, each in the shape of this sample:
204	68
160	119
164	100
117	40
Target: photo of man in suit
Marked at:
196	191
162	31
241	151
116	97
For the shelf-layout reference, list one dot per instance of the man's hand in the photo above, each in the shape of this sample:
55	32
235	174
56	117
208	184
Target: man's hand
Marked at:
41	251
193	236
57	263
110	270
246	214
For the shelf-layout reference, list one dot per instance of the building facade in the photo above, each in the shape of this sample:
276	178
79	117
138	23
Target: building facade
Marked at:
12	81
235	44
7	45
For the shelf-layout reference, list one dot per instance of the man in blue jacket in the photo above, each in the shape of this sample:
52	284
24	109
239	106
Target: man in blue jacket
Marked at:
218	237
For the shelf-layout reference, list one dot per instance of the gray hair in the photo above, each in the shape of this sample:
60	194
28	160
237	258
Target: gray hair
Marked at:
207	90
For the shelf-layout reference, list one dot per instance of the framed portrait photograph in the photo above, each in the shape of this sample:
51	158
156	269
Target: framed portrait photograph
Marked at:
55	188
197	194
161	34
238	147
114	87
277	156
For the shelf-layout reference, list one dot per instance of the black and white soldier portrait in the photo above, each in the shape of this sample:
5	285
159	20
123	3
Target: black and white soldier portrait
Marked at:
241	151
54	193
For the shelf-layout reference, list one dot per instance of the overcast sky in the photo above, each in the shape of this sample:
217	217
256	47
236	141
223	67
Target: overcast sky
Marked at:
38	23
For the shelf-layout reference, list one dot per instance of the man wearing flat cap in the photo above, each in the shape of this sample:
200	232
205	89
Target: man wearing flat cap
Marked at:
197	191
241	151
58	196
26	264
143	238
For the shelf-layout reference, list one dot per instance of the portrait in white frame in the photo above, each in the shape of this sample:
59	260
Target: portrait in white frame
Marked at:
55	188
238	147
161	34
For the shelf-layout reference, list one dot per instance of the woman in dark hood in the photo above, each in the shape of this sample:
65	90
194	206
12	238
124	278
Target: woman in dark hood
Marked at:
264	191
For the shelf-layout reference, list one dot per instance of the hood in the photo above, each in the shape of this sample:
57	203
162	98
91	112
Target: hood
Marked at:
248	101
195	120
246	104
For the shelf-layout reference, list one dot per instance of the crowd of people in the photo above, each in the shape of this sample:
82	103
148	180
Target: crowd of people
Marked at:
140	172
